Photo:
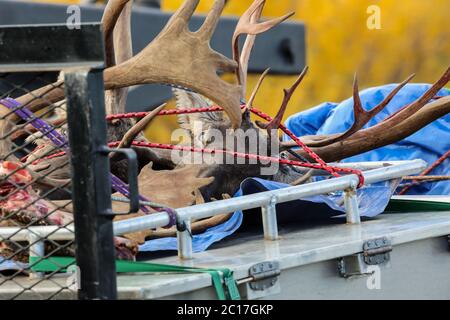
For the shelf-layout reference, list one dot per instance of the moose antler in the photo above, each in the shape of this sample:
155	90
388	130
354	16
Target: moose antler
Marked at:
247	24
116	16
116	22
159	186
54	92
362	117
184	58
176	56
407	121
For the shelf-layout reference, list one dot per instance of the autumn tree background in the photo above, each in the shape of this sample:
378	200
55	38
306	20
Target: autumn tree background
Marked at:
414	38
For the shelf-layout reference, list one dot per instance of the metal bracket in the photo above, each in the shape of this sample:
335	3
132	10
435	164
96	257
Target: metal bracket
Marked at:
264	275
133	186
262	280
375	252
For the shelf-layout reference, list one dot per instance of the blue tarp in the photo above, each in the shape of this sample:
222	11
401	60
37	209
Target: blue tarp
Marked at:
11	265
428	144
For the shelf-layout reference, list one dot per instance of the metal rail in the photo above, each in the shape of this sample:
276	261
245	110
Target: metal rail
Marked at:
265	200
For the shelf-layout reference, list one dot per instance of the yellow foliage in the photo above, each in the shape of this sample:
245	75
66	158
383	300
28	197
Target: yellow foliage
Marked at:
413	39
58	1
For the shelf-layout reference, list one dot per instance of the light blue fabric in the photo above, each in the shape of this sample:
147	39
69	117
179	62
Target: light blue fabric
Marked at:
200	242
11	265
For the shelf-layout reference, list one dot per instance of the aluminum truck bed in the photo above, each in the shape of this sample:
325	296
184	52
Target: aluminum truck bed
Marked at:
308	258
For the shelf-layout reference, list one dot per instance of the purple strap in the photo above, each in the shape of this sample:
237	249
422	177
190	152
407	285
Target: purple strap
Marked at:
61	141
38	123
172	217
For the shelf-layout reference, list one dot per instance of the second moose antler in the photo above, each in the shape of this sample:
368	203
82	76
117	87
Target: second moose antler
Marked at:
400	125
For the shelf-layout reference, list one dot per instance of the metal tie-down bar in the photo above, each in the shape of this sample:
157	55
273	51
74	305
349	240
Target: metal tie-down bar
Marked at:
265	200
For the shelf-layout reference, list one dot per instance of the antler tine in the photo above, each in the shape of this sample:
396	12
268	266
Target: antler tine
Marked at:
111	14
211	21
357	104
256	89
120	51
246	52
362	117
276	121
185	12
246	25
409	110
138	127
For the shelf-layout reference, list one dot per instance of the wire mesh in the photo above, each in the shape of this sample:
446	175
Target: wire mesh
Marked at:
34	187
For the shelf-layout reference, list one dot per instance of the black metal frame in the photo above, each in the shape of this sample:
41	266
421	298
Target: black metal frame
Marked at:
91	186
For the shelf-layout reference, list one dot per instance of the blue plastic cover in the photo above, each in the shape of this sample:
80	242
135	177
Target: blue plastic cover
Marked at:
429	143
11	265
335	118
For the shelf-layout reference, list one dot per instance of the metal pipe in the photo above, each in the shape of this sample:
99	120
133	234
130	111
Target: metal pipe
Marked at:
362	166
394	172
207	210
352	206
269	218
37	249
261	199
56	233
184	239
